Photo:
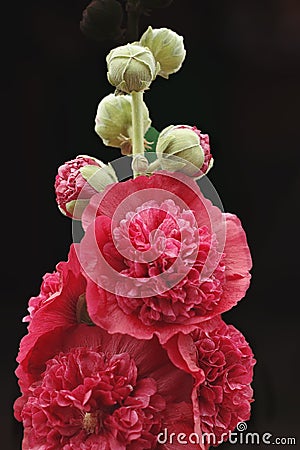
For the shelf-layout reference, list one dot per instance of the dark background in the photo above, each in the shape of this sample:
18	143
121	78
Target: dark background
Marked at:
240	84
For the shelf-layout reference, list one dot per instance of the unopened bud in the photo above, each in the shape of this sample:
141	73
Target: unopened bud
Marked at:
204	142
113	121
178	149
131	68
78	180
140	164
167	48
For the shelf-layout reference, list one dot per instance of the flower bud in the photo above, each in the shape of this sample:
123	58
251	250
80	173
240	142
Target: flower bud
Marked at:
113	121
102	19
140	164
78	180
131	68
179	149
167	48
204	142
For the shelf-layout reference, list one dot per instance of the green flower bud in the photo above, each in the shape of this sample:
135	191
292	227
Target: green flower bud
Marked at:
179	149
167	48
113	121
140	164
131	68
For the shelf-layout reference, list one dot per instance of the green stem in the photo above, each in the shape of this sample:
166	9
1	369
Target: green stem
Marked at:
137	125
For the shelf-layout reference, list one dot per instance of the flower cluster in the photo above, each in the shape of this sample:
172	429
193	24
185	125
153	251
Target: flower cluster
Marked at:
126	338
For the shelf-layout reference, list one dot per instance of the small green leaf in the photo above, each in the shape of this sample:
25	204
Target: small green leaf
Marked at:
151	136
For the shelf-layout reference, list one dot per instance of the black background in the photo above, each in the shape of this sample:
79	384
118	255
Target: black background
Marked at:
240	84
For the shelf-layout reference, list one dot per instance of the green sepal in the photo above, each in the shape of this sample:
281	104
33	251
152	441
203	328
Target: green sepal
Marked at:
76	207
151	136
98	177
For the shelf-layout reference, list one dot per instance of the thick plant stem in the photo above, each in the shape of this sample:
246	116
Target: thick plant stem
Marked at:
137	125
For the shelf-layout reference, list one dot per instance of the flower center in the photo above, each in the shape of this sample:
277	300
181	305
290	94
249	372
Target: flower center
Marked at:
89	396
90	422
82	314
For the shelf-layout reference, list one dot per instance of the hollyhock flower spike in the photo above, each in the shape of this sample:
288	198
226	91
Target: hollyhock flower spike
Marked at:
160	266
125	345
221	361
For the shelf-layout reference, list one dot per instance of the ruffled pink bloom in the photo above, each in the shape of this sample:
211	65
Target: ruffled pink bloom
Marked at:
103	392
70	185
60	305
204	142
160	266
221	361
50	287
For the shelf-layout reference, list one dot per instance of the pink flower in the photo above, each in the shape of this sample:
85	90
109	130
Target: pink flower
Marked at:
50	288
204	142
103	392
60	305
221	361
70	184
160	266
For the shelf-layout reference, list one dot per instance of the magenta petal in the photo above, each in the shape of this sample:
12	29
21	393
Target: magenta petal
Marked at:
164	294
238	262
105	312
222	395
183	353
